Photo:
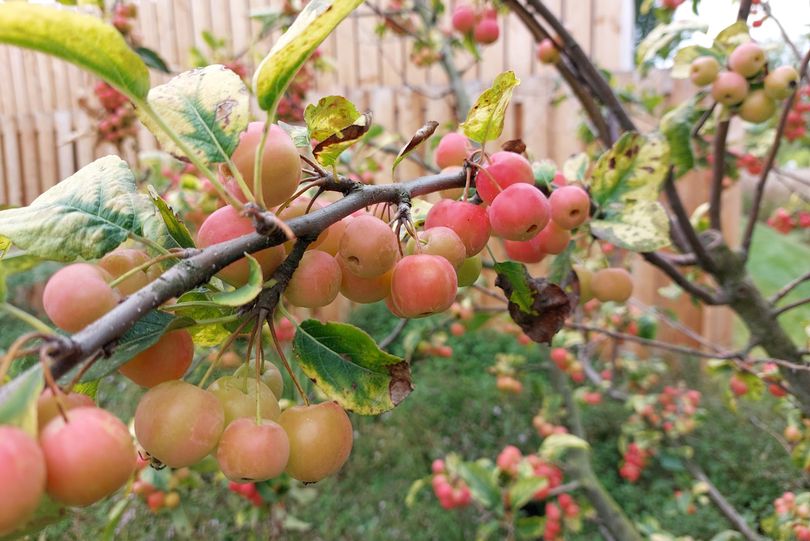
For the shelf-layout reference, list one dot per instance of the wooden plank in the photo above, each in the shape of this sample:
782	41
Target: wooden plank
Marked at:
11	158
3	183
411	108
240	24
47	86
7	95
167	24
18	82
184	31
28	157
606	27
65	159
46	149
85	139
201	17
221	20
578	20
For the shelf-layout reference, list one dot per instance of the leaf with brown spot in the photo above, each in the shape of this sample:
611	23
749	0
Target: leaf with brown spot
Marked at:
336	124
514	145
550	305
418	138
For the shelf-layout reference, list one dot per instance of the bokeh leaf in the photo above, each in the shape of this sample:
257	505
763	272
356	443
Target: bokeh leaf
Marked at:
658	43
207	107
211	334
676	126
732	36
556	446
639	227
524	489
18	400
152	59
632	170
246	293
682	62
576	167
79	38
349	367
315	22
485	120
482	483
86	215
175	227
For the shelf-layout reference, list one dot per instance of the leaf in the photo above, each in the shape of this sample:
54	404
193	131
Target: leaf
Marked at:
349	367
676	126
556	446
485	120
152	59
79	38
336	124
414	490
298	134
207	107
544	172
310	28
524	490
530	527
211	334
177	229
246	293
576	167
514	145
86	215
18	400
561	265
730	37
144	334
632	170
682	62
488	530
639	227
483	487
548	305
660	40
12	265
89	388
418	138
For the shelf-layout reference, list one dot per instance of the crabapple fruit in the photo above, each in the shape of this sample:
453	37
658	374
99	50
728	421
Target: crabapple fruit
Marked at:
364	290
122	260
369	247
612	284
469	271
519	212
316	281
757	107
422	285
47	407
470	222
452	150
729	88
552	239
584	277
250	452
226	224
452	193
781	82
331	242
704	70
547	52
570	206
320	438
178	423
747	59
88	457
237	395
487	31
270	376
168	359
22	476
503	169
441	241
301	207
464	17
281	164
77	295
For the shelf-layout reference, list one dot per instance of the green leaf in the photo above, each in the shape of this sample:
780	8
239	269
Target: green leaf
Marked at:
658	43
310	28
79	38
544	172
639	227
14	264
246	293
488	531
86	215
298	134
632	170
89	388
517	276
530	528
211	334
152	59
682	62
482	482
18	400
336	124
176	228
730	37
524	490
144	334
485	120
349	367
418	138
207	107
561	266
676	126
556	446
414	490
576	167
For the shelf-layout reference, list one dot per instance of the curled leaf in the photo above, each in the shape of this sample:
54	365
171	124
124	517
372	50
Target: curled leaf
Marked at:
418	138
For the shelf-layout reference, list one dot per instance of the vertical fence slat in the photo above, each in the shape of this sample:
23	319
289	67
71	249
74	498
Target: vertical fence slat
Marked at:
11	158
46	145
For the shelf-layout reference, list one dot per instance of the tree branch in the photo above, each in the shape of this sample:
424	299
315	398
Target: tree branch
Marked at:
394	334
194	271
685	225
718	174
791	306
790	286
696	290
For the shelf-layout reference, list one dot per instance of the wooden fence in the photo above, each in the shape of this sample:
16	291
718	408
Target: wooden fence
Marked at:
45	136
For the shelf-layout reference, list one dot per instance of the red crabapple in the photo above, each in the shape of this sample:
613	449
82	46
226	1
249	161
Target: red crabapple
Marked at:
738	386
547	52
527	251
77	295
225	224
168	359
253	452
503	169
452	150
464	18
612	284
470	222
22	476
441	241
316	281
122	260
704	70
519	212
47	407
364	290
729	88
552	239
422	285
487	31
570	206
369	247
747	59
88	457
331	243
320	438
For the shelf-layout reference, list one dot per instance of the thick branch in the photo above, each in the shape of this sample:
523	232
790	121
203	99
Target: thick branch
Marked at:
684	224
197	270
718	174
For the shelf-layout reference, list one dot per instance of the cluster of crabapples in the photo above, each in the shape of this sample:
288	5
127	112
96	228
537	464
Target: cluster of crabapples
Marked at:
118	120
793	514
480	23
747	87
768	373
785	221
797	119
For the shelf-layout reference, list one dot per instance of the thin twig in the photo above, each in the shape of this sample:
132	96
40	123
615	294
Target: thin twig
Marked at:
791	306
694	289
790	286
685	225
394	334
